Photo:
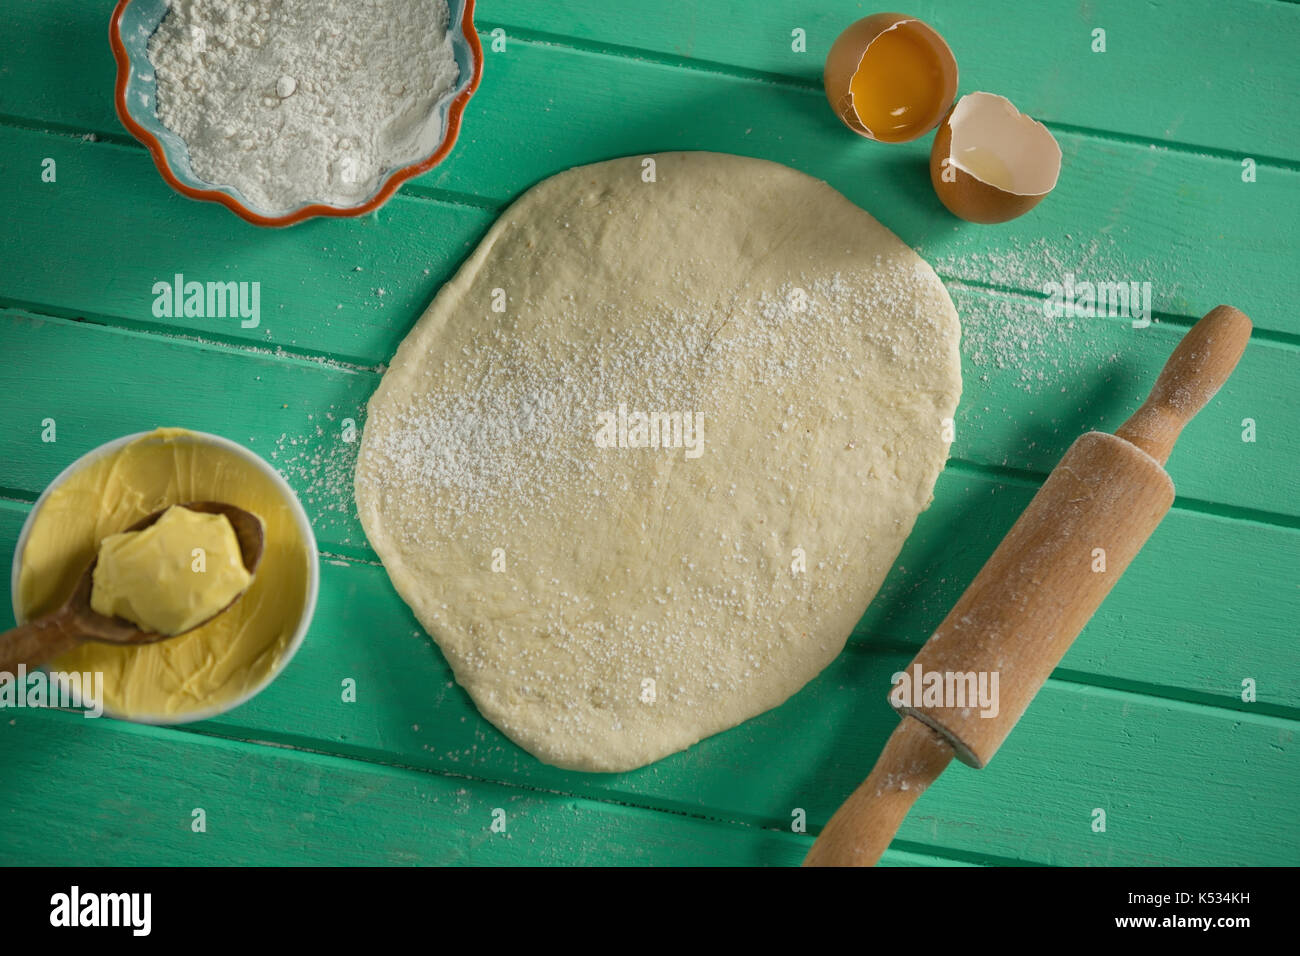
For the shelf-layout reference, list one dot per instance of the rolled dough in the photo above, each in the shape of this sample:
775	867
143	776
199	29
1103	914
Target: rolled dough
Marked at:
606	605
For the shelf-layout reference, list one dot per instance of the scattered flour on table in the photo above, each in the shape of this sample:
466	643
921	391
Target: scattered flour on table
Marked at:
1011	332
318	462
297	101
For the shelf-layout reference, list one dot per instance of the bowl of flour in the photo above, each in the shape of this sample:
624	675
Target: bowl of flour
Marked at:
282	110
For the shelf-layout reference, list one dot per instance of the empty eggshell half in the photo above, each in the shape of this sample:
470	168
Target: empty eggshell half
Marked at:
890	77
990	162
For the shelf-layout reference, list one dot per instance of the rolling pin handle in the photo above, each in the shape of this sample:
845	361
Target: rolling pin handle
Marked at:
1197	368
864	825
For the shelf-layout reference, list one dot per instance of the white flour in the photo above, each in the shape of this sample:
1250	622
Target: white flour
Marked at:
297	101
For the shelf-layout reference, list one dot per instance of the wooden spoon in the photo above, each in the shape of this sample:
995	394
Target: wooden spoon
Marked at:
52	634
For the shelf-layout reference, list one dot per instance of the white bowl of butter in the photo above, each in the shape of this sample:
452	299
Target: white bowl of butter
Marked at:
226	661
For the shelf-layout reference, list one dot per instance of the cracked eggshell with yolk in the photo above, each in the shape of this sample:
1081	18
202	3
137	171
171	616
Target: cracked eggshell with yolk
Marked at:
890	77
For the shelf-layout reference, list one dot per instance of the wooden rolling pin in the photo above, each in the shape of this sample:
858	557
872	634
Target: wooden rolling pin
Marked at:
1034	595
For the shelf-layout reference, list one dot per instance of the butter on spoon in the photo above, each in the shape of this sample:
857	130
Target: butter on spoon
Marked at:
49	636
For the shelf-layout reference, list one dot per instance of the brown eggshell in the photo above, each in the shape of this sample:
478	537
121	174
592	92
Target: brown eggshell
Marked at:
967	197
846	55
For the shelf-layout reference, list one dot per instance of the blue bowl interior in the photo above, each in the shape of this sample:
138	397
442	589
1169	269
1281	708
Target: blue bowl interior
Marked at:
139	21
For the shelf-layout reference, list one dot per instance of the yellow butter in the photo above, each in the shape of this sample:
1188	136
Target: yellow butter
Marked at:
222	660
171	576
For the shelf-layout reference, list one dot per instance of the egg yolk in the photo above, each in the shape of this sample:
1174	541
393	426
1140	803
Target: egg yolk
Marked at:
898	85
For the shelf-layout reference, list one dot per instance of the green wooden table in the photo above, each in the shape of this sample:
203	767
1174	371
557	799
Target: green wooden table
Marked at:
1145	719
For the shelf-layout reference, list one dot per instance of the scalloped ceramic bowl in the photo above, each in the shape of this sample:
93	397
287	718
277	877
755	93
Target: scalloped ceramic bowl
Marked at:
134	22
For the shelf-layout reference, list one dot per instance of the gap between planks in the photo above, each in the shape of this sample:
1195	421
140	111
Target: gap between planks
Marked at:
1182	320
41	310
213	341
1281	716
1005	474
416	190
101	137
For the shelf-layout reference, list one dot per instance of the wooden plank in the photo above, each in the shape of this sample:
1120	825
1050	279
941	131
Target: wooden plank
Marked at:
1151	635
1178	98
1173	624
1032	385
277	807
1077	749
341	289
306	273
1123	211
98	383
1008	418
810	752
1147	84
